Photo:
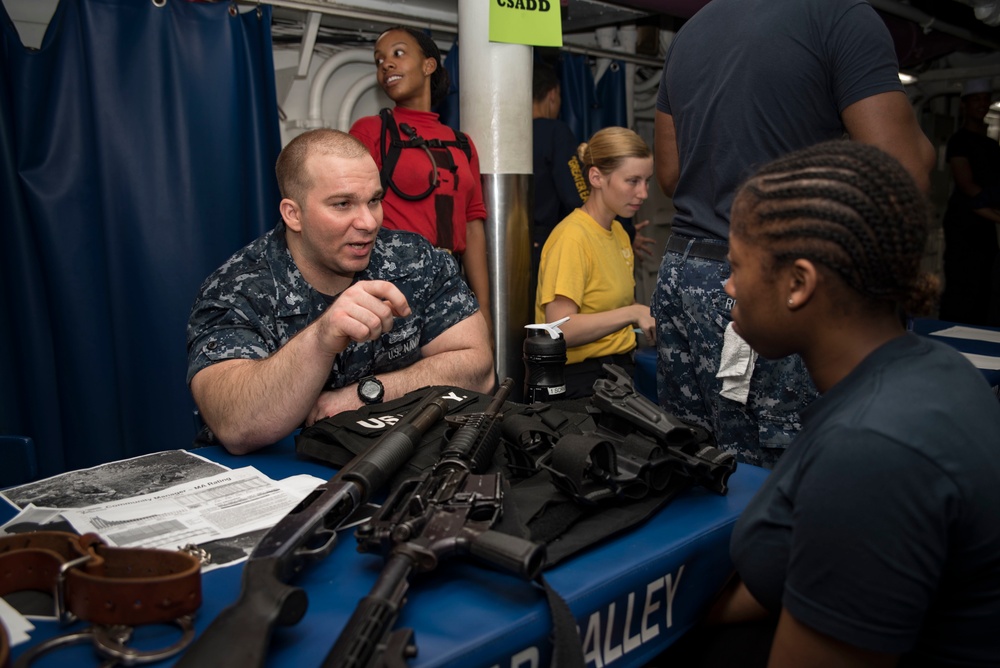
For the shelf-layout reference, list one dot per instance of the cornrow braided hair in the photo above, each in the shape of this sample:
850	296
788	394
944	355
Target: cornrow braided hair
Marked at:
849	207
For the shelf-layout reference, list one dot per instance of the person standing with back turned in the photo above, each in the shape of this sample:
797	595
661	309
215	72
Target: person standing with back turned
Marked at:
792	73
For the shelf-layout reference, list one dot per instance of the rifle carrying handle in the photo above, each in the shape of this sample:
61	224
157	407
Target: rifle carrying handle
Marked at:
473	444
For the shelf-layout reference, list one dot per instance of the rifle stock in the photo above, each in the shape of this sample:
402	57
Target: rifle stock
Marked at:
240	635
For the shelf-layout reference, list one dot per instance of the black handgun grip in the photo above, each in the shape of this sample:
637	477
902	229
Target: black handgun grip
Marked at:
510	553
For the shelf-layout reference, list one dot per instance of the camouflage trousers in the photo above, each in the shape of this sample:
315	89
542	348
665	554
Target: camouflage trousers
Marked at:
691	310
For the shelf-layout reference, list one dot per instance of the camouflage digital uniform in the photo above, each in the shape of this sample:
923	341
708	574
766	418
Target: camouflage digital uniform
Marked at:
691	309
258	300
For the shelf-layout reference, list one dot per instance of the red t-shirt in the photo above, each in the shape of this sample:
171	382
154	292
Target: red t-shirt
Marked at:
442	215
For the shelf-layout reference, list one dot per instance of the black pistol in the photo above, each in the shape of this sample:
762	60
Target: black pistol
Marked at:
622	410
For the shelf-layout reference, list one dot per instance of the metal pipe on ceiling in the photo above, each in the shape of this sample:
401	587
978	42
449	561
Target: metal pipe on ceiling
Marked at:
442	27
361	15
928	22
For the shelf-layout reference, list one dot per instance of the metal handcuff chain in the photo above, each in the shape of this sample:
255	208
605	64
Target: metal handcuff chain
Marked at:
110	644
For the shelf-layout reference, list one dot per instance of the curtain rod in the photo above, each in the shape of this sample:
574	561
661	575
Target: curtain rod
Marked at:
449	28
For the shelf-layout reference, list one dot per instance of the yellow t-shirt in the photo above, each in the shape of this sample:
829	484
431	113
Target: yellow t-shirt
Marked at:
594	267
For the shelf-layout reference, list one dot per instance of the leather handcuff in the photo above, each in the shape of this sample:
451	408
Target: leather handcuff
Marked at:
112	588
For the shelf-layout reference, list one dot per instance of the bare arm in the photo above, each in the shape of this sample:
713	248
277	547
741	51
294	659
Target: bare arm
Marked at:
476	268
668	162
735	605
795	645
251	403
887	121
584	328
461	356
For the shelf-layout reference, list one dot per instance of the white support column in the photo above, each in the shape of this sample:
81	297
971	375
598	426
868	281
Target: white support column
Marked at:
495	92
627	38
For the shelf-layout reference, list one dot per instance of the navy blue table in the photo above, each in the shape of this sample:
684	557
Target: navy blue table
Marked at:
631	596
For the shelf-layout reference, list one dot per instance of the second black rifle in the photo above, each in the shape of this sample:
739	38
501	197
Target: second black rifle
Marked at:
448	511
240	635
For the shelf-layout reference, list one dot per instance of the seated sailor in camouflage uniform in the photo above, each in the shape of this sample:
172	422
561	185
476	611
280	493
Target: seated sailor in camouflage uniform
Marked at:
280	335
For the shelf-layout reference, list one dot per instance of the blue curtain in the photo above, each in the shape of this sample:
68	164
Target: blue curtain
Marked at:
579	108
138	153
610	94
448	110
587	107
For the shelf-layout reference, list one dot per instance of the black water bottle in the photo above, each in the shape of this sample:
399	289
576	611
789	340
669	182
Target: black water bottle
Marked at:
544	362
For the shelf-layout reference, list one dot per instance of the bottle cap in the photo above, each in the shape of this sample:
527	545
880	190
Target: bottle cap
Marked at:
552	328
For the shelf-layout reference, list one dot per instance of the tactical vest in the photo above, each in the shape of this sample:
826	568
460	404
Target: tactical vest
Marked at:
569	485
390	150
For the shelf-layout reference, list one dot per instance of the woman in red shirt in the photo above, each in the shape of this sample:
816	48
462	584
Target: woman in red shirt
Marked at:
433	184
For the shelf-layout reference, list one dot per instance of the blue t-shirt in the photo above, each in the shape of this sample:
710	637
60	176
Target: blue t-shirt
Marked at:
880	525
787	70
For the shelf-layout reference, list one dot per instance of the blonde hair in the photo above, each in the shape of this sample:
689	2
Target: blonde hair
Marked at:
609	148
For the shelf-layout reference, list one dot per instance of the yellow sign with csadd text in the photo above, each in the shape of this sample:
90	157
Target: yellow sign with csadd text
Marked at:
532	22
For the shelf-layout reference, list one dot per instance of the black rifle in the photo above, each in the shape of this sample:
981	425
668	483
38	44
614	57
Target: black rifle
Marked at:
240	635
447	511
622	411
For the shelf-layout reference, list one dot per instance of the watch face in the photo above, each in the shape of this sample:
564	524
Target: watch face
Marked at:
370	390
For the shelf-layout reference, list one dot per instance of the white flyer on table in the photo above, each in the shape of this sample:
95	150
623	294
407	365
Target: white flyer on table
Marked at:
222	506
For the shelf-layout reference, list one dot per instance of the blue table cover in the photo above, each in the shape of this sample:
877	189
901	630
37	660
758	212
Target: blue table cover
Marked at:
631	596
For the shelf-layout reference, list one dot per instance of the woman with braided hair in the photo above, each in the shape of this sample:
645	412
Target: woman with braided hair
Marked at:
876	539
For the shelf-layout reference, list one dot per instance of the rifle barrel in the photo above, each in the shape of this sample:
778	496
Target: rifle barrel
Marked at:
373	618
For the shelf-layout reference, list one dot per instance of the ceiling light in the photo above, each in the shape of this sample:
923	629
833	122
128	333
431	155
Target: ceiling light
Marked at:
907	79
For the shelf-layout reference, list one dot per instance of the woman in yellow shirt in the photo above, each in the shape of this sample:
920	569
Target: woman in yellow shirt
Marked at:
586	270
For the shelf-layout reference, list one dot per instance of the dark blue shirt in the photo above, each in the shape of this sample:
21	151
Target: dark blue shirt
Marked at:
880	525
559	181
749	80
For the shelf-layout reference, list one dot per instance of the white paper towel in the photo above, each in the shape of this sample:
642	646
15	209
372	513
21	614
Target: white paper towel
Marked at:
735	366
